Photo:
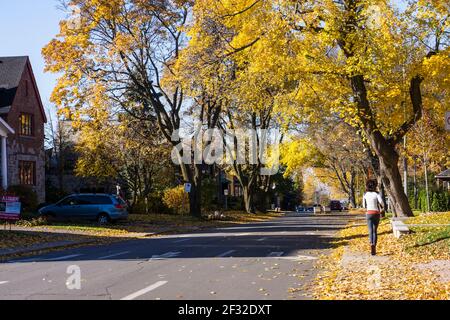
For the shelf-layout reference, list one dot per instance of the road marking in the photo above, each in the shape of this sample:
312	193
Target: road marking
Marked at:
114	255
144	291
300	258
262	239
63	258
167	255
23	261
275	254
226	254
3	282
181	241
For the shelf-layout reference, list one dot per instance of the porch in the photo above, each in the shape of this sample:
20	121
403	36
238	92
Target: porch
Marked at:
5	130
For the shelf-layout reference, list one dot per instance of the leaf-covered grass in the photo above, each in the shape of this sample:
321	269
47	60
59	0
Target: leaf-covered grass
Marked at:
20	239
431	218
396	265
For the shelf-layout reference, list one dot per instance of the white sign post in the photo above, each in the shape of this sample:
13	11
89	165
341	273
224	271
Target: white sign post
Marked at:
447	121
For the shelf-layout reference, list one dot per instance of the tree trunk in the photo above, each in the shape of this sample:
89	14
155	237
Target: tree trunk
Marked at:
352	197
195	202
194	177
392	179
385	148
248	200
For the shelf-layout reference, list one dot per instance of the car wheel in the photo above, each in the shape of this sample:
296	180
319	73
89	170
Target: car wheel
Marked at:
103	219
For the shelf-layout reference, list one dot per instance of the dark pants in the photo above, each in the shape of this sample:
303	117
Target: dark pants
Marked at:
373	221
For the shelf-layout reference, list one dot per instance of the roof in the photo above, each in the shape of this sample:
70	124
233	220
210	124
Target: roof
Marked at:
11	72
444	175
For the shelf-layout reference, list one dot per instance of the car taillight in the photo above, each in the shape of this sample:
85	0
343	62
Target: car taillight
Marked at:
119	206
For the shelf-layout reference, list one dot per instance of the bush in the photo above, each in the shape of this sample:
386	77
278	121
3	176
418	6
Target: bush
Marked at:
28	197
439	201
152	205
177	200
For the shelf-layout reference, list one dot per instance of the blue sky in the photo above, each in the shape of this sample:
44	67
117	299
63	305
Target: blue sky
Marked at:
26	26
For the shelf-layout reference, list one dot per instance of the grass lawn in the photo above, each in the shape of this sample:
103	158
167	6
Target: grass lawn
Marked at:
11	239
349	272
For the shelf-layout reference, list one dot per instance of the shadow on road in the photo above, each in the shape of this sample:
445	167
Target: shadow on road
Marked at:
284	237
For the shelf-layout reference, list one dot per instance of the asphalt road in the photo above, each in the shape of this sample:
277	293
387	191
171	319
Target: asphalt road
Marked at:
260	261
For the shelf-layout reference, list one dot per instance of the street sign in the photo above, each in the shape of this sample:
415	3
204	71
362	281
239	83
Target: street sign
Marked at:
10	208
447	120
226	192
187	187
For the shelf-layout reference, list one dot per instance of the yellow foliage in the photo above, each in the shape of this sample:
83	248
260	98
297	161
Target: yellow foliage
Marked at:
177	200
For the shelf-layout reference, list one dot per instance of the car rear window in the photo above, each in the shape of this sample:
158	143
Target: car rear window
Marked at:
119	200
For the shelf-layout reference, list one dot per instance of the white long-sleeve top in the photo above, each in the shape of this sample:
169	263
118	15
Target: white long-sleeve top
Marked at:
372	201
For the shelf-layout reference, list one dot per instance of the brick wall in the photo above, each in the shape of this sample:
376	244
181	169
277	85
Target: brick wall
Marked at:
22	148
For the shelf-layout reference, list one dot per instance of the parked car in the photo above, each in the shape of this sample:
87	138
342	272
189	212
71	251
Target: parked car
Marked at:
102	208
336	206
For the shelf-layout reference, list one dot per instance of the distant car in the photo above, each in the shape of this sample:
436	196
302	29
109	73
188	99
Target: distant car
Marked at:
103	208
336	206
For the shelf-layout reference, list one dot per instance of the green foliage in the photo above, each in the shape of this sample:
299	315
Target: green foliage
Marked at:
439	201
27	195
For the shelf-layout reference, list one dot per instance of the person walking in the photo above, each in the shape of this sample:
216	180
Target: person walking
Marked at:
374	205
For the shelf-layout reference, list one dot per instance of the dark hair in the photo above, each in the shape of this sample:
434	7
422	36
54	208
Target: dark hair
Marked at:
372	186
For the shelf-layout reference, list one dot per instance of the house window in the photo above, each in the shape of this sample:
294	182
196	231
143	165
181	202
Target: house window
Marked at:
26	124
27	173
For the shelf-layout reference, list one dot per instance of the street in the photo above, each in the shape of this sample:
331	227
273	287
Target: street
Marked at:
260	261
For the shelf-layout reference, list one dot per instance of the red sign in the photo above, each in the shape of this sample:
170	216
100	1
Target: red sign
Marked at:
10	208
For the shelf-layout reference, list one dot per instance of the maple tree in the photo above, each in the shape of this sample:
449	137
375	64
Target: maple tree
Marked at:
368	62
127	152
116	56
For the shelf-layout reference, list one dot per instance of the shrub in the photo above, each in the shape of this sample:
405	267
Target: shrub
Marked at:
177	200
153	204
435	204
27	195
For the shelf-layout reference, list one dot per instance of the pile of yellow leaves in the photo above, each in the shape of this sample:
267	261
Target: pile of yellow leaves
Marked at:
351	273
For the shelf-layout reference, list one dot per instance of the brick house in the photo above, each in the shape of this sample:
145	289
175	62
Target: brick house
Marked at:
22	120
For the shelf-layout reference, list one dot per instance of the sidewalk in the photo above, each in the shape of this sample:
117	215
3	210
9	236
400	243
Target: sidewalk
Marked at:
402	270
